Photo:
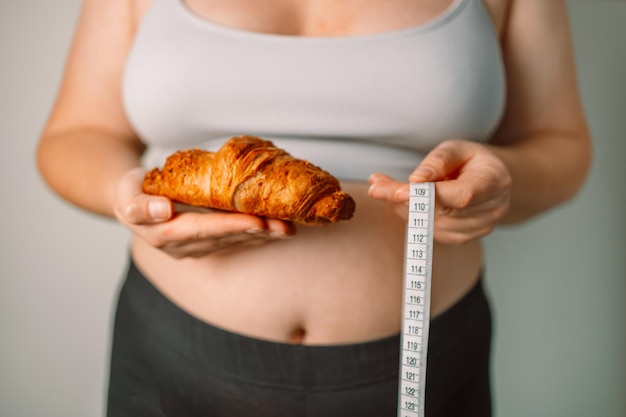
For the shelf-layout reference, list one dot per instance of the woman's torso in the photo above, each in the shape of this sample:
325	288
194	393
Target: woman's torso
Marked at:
338	283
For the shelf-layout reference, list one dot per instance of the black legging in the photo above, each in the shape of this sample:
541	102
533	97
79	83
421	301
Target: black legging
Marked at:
165	362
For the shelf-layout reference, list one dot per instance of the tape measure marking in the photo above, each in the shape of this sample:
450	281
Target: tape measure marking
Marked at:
416	297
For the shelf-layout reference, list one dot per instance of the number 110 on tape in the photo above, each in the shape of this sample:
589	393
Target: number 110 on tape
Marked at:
416	300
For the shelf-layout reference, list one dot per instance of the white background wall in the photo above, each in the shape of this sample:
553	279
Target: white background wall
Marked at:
558	284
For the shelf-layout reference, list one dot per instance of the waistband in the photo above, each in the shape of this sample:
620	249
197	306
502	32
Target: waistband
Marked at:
173	331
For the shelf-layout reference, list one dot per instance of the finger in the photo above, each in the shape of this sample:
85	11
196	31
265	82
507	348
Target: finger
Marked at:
468	189
386	188
492	208
378	177
465	225
144	209
191	226
194	233
454	237
452	227
442	162
275	227
139	208
473	191
130	185
280	229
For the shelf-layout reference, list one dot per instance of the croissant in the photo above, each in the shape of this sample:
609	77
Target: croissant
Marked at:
250	175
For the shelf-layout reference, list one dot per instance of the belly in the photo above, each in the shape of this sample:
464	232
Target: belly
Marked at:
338	283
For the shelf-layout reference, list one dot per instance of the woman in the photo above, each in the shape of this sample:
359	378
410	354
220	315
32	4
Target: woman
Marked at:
225	314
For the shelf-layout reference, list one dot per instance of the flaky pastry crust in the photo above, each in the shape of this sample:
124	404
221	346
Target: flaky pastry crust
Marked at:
251	175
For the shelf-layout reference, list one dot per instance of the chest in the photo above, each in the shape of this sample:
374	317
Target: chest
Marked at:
323	17
191	81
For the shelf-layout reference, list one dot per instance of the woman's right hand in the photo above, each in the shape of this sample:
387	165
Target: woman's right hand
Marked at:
189	232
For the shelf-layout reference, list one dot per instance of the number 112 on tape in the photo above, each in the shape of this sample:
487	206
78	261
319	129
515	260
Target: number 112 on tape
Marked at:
416	300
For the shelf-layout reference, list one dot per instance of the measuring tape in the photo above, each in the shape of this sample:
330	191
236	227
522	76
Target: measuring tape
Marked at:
416	296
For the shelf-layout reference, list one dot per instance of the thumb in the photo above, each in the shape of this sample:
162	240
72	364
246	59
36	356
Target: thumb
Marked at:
442	162
135	206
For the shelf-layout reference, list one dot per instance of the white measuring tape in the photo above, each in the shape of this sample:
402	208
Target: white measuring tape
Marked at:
416	296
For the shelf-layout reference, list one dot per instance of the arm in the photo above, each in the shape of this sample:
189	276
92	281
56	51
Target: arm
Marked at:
540	155
88	144
543	138
90	155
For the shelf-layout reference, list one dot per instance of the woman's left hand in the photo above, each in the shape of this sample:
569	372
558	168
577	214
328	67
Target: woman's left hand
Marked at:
472	189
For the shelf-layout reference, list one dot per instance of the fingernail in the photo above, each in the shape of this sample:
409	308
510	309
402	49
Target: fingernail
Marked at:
402	194
278	235
158	210
254	230
374	176
421	174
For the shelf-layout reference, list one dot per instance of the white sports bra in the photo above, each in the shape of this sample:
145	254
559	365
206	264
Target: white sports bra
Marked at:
352	105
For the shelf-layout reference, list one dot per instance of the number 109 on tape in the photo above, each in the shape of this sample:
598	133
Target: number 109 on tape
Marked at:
416	301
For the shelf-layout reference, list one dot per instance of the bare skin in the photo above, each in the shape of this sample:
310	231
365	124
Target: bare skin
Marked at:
338	283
